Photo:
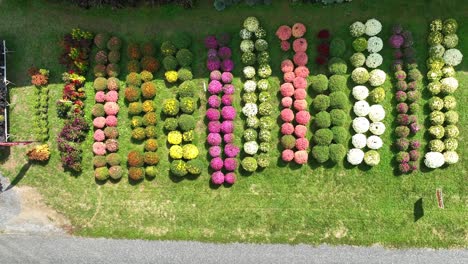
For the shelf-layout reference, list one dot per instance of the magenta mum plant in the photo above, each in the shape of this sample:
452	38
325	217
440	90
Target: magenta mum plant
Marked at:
221	113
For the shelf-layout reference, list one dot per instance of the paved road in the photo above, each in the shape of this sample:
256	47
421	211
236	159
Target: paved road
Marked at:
20	248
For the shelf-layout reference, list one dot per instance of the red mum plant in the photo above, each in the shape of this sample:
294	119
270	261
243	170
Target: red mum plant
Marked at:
300	58
300	45
301	157
300	94
323	34
285	45
302	117
287	66
298	30
300	105
289	77
287	115
287	129
302	72
302	143
300	131
287	155
300	83
321	60
323	49
286	102
284	32
287	90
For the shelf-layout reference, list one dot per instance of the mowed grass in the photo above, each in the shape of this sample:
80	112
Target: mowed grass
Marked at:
282	204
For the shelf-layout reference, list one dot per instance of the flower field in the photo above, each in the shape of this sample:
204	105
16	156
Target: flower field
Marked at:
295	127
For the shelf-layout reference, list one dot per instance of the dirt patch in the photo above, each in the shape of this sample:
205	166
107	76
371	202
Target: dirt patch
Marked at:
35	215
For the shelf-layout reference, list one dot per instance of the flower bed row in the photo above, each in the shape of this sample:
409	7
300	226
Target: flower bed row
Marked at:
408	79
77	46
76	49
142	58
140	93
221	114
106	160
108	56
323	49
180	125
177	58
40	79
362	109
257	135
443	57
294	114
331	104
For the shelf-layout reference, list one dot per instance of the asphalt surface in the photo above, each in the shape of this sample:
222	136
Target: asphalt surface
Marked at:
20	248
10	205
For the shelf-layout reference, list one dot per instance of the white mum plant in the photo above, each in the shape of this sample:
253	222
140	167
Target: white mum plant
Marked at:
250	109
377	77
361	125
360	92
373	27
376	113
377	128
374	142
374	44
374	60
249	72
359	141
434	160
449	84
251	147
355	156
250	86
361	108
453	57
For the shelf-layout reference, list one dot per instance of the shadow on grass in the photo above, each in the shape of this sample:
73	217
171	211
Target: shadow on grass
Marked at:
418	211
4	153
19	176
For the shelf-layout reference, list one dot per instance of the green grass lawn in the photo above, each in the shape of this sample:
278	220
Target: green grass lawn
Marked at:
282	204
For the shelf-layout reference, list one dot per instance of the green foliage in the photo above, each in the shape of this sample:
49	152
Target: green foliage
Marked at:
339	100
321	102
288	141
338	117
337	83
322	119
185	74
186	89
337	47
181	40
319	83
186	122
184	57
323	136
170	63
321	153
194	166
337	152
360	44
